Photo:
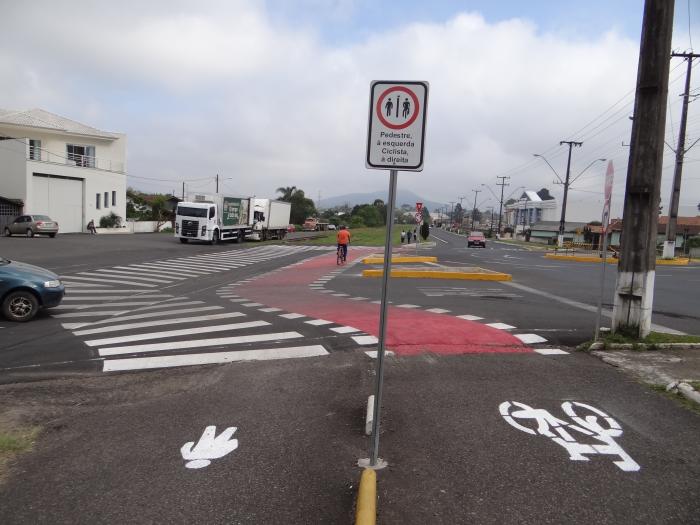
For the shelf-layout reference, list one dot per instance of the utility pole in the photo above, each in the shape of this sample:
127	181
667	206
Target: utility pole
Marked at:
452	209
562	221
500	207
476	194
217	183
183	190
670	244
490	208
634	289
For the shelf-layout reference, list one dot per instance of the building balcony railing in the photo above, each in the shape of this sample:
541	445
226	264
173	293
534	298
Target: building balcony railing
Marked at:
74	159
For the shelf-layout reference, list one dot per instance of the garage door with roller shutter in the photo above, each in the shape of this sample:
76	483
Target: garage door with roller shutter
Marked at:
61	198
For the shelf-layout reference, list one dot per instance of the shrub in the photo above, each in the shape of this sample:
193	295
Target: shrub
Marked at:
111	221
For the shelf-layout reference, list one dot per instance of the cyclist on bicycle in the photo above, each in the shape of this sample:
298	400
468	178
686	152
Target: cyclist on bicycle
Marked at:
343	238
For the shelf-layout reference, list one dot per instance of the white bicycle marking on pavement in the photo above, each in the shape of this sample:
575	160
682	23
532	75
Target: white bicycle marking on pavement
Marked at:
596	425
209	447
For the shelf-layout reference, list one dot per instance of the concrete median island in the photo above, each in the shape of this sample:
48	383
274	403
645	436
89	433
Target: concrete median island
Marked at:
470	273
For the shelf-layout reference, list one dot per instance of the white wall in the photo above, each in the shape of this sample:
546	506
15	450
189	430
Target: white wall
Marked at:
13	180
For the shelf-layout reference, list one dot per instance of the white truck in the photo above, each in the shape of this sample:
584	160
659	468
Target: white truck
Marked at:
270	219
219	217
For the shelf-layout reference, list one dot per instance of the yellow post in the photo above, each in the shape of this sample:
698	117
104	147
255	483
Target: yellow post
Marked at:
366	512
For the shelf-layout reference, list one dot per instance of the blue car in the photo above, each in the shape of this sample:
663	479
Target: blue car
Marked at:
25	289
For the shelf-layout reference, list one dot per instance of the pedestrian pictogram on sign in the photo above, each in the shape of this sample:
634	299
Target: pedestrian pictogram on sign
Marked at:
396	125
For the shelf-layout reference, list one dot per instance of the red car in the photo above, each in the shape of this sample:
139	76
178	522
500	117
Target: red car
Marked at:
291	228
476	239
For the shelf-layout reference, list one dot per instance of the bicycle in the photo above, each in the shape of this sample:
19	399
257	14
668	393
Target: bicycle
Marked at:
340	256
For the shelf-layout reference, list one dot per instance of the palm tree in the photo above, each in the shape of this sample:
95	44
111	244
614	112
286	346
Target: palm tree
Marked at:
287	192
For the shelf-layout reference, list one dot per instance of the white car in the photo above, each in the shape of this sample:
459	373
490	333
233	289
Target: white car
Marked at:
331	226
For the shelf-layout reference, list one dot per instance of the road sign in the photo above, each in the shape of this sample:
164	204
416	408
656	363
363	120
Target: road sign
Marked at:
396	129
609	174
419	217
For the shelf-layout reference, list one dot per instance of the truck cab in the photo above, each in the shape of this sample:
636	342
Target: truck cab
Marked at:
196	220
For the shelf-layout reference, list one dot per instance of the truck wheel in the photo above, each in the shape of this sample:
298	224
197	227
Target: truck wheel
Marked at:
183	240
241	236
215	237
264	235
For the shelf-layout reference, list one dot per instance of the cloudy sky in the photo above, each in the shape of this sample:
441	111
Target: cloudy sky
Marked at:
275	93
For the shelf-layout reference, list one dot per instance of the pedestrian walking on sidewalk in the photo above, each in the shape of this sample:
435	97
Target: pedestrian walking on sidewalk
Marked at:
403	236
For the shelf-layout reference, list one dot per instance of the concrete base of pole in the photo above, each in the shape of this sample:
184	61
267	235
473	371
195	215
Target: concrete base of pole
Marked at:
669	249
560	241
367	463
633	301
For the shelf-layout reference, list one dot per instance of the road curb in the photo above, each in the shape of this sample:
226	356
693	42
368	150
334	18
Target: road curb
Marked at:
366	511
440	274
610	260
641	346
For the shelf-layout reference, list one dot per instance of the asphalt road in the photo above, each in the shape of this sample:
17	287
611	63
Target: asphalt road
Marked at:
479	428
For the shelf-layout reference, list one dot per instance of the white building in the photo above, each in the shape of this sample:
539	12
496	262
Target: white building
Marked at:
58	167
530	209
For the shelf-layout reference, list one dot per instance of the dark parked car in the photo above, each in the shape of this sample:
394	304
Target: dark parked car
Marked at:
476	239
25	289
30	225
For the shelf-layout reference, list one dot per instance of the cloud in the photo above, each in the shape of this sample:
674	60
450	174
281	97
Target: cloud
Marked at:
231	88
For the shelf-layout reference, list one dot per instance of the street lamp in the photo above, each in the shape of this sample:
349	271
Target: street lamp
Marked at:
566	183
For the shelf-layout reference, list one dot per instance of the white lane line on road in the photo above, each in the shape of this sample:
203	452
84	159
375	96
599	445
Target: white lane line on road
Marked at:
154	314
365	339
198	343
251	305
148	271
142	363
437	310
407	306
550	351
175	269
345	329
105	305
102	297
582	306
530	339
101	281
124	275
500	326
90	314
70	290
292	316
269	310
148	324
439	239
318	322
175	333
373	353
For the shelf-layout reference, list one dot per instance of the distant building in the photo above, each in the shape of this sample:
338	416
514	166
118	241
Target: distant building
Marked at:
530	209
55	166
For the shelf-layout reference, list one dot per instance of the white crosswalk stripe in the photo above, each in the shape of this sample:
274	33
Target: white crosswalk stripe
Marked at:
119	312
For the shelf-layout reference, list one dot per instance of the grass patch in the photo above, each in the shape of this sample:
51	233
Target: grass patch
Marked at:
654	338
17	441
678	398
364	236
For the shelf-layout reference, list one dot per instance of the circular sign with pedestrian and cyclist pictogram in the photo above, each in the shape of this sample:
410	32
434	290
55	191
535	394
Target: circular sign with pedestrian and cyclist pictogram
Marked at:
397	125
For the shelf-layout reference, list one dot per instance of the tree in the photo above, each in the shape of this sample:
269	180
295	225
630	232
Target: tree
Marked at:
302	208
381	208
368	214
287	192
424	230
509	202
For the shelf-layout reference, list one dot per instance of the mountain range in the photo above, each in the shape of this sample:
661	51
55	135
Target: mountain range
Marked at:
402	197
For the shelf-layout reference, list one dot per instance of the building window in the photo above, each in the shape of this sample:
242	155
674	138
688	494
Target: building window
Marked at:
106	199
81	155
114	198
34	149
97	201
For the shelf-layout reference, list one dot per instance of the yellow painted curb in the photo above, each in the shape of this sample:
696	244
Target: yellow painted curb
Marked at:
610	260
366	512
579	258
672	262
401	259
438	274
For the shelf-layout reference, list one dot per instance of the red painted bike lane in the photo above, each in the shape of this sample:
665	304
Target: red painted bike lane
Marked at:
409	331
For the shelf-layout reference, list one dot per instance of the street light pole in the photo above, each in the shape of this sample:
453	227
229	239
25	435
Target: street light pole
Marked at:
476	194
562	221
502	184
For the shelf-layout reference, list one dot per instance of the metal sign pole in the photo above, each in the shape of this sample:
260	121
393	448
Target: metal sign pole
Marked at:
379	379
602	285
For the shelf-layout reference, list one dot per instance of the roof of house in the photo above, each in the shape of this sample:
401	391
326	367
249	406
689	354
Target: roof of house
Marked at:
41	119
